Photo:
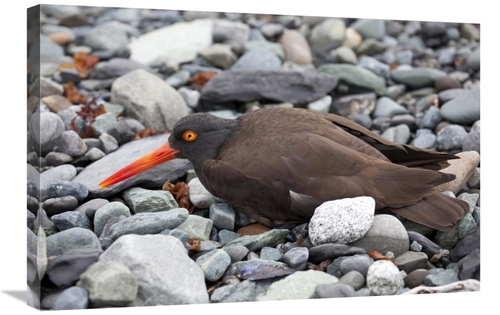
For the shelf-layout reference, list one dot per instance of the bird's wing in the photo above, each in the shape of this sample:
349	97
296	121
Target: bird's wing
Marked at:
304	169
397	153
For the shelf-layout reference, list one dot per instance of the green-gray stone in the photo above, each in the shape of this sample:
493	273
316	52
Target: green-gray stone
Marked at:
356	77
107	211
214	264
463	109
197	227
299	285
417	78
144	200
149	223
69	239
256	242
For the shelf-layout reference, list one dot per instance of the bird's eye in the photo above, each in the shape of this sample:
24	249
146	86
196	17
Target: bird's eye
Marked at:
189	135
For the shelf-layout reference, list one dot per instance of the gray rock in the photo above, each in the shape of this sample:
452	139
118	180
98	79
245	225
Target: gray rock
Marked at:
246	86
448	239
370	28
71	219
143	200
351	105
411	261
109	283
474	181
466	245
149	223
333	290
399	134
65	269
359	263
383	278
237	252
327	35
59	11
104	123
379	68
72	298
353	278
104	213
271	253
190	96
256	242
296	258
355	77
323	252
115	68
300	285
226	236
322	105
57	158
32	241
463	109
199	195
60	188
441	278
225	30
417	78
94	154
179	78
472	141
219	55
58	205
388	107
473	61
96	172
179	279
197	227
404	57
257	59
431	118
214	264
110	36
451	138
344	54
222	216
107	143
71	144
149	99
73	238
244	291
386	234
45	129
30	218
273	47
469	267
371	47
341	221
125	130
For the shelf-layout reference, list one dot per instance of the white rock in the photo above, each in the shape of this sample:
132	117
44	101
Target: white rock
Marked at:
342	221
383	278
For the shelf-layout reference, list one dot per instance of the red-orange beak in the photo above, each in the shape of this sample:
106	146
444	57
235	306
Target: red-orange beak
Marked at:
163	154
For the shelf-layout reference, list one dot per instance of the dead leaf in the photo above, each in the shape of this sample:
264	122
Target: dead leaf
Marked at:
202	78
378	256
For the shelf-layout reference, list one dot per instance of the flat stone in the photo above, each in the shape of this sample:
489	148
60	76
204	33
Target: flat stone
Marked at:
115	68
197	227
417	78
257	59
179	279
441	277
415	278
296	258
71	219
341	221
257	242
300	285
214	264
411	261
247	86
109	283
149	99
323	252
386	234
355	77
222	216
149	223
463	109
73	238
60	188
237	252
469	267
58	205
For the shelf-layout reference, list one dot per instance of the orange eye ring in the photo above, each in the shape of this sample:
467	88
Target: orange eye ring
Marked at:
189	135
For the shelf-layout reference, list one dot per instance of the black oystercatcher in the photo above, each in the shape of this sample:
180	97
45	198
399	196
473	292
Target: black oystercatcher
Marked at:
277	165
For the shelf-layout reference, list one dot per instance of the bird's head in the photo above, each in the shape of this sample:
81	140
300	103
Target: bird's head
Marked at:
196	137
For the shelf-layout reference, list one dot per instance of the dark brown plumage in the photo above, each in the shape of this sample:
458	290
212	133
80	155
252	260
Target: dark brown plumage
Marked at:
277	165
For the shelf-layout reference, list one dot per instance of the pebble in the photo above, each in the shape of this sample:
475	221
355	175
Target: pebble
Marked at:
104	123
60	188
144	95
123	132
355	77
94	154
474	181
142	200
190	96
466	245
431	118
30	218
352	105
417	78
300	285
271	253
333	290
326	35
472	141
57	158
219	55
257	242
473	61
214	264
359	263
296	47
354	279
352	38
463	109
197	227
386	234
149	223
226	236
71	144
410	261
116	67
383	278
450	138
72	298
370	28
65	270
273	47
341	221
222	216
415	278
109	36
236	252
224	30
179	78
345	54
441	277
244	291
73	238
296	258
90	207
104	213
379	68
163	257
45	129
199	195
469	266
71	219
32	241
399	134
322	105
109	283
332	251
58	205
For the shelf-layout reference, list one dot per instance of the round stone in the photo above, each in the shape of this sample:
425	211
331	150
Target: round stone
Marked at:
383	278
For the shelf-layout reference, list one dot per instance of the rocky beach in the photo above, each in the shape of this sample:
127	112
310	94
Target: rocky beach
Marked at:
106	86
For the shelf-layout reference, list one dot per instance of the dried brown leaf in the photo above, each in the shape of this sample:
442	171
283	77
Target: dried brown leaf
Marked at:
202	78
